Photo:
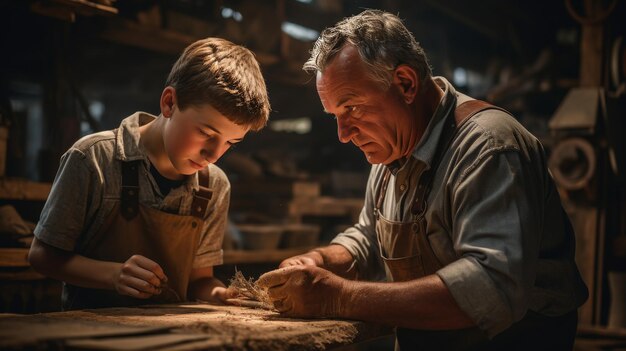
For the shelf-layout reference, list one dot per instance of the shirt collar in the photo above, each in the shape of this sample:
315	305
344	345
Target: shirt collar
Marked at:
128	147
426	147
398	165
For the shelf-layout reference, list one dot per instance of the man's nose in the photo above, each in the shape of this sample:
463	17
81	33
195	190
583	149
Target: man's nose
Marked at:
345	130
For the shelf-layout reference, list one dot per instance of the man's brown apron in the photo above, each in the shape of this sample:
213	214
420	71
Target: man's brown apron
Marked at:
168	239
407	253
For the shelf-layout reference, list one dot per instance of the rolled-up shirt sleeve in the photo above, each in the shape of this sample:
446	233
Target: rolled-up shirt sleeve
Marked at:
496	212
360	239
65	213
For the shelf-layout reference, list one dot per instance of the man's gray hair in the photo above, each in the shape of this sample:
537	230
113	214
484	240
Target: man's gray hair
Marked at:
382	40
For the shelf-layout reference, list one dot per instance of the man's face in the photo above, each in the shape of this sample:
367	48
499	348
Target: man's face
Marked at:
375	119
197	136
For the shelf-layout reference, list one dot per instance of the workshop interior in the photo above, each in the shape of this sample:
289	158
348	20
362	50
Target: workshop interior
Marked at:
76	67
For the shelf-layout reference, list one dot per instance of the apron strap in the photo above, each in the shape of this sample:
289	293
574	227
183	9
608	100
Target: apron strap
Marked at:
129	196
462	113
382	190
201	196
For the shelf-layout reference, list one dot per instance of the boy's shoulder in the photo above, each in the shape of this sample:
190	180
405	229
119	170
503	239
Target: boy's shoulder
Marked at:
99	147
217	178
96	140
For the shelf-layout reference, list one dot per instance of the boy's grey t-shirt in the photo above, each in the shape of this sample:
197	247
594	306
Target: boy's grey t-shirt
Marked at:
87	188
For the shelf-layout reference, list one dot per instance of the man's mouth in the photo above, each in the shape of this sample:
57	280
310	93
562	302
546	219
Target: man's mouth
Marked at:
360	146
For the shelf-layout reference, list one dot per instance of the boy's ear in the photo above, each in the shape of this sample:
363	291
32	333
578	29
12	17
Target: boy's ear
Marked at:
168	100
407	81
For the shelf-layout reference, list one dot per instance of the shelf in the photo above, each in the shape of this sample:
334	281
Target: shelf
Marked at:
21	189
265	256
595	331
14	257
325	206
22	274
18	257
14	265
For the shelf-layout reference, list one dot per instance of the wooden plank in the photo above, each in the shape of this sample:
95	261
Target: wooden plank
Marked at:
22	274
159	40
14	257
22	189
265	256
142	342
19	331
219	328
89	8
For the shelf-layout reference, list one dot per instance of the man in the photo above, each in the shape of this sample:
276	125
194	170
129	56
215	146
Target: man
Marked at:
460	209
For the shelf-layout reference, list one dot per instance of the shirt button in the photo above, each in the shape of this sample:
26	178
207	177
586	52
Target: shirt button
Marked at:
402	187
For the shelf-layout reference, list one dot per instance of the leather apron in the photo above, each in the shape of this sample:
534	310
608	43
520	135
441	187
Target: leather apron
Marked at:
171	240
407	252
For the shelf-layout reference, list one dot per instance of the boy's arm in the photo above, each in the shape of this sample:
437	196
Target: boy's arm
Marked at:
138	277
204	286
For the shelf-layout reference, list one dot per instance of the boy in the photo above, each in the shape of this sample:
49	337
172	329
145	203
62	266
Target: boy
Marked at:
137	215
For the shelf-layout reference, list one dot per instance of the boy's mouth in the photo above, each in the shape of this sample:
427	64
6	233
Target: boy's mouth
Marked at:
196	165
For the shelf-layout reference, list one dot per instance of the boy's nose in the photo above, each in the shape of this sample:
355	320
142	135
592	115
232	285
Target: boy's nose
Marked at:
212	153
209	155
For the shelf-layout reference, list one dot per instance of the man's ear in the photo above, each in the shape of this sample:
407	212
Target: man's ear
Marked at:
168	100
407	80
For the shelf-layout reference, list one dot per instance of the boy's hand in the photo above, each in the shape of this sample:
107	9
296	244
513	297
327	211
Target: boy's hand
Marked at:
139	277
222	294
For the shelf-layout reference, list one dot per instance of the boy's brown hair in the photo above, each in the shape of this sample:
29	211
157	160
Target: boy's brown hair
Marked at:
224	75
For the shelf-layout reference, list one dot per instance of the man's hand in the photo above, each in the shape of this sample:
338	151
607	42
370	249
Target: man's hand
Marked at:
311	258
334	258
306	291
139	277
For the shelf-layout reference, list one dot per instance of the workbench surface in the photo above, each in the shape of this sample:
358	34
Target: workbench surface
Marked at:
179	327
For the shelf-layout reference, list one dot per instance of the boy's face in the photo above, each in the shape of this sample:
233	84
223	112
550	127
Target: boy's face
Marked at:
197	136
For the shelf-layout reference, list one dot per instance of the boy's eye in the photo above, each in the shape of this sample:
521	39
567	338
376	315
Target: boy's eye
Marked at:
203	133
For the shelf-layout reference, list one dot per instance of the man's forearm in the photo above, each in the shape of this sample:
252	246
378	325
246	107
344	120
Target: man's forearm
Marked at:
425	303
338	260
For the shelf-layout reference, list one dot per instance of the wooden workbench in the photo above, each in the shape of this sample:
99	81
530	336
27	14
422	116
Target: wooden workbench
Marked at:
179	327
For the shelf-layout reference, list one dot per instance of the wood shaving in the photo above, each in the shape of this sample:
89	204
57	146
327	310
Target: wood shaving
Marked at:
249	290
